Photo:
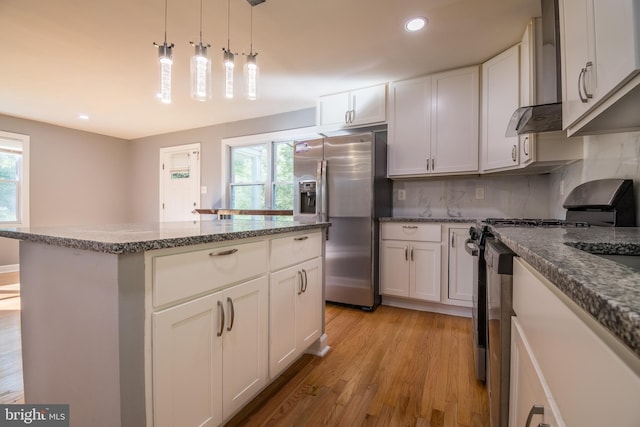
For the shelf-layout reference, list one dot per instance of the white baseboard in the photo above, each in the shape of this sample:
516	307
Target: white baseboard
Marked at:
320	347
433	307
9	268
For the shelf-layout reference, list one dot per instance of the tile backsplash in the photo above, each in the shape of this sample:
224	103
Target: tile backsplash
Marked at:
504	196
528	196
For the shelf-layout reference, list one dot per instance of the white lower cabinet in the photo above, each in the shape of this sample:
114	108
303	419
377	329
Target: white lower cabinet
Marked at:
210	355
410	269
295	318
585	373
460	285
529	392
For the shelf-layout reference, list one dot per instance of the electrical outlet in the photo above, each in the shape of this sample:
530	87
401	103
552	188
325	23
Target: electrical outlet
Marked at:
480	193
402	194
203	189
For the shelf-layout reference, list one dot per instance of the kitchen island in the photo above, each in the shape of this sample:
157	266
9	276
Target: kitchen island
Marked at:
126	323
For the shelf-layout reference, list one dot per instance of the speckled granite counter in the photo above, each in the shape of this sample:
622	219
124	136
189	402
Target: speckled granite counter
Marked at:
131	238
417	219
609	291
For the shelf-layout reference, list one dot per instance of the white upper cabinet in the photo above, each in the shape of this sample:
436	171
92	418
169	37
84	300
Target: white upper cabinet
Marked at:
500	99
433	124
600	65
527	89
353	108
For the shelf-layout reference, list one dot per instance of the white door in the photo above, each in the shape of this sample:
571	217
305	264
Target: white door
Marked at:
180	183
460	266
425	271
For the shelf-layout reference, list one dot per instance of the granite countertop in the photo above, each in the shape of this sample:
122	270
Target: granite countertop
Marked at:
130	238
429	219
609	291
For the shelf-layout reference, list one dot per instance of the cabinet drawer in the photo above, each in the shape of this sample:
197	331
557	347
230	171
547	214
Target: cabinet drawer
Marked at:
411	231
292	250
179	276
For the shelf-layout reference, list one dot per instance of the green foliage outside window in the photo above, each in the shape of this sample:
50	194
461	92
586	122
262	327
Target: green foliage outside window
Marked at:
9	179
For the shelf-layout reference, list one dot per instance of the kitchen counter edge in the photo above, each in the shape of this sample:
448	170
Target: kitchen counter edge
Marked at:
141	237
429	219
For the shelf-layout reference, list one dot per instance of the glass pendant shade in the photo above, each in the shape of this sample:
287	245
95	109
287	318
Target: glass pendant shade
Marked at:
251	76
200	74
228	75
165	55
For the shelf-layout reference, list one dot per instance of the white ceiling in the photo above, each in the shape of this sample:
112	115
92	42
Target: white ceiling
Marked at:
62	58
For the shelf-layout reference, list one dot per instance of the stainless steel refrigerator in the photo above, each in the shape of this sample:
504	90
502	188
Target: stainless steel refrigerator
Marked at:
342	180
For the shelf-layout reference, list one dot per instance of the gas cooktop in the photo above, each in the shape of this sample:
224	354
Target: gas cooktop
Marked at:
534	222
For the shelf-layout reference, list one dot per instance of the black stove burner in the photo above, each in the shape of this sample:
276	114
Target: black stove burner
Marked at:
534	222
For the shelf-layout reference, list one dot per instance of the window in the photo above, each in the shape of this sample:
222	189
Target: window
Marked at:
260	170
14	188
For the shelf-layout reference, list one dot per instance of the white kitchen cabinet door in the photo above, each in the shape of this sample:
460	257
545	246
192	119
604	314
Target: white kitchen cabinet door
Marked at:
528	387
187	364
409	131
527	90
460	266
501	98
454	121
394	268
245	343
576	17
332	109
295	315
425	271
368	105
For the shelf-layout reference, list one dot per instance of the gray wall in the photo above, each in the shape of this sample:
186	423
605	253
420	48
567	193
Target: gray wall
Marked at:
75	178
144	158
81	178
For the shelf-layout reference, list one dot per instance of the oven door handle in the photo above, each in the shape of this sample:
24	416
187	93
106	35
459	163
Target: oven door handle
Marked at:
472	250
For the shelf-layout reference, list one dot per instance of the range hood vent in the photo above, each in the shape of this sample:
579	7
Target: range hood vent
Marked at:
546	114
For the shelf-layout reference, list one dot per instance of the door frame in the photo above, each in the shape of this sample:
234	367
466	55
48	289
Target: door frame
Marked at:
166	150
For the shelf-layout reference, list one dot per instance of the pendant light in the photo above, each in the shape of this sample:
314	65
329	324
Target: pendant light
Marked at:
200	69
228	58
165	56
251	70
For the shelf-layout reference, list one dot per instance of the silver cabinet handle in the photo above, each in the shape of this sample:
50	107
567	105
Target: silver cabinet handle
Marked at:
428	162
346	117
224	253
453	241
535	410
514	153
301	238
584	80
233	313
433	164
525	146
583	99
300	290
410	227
221	310
406	253
306	280
411	253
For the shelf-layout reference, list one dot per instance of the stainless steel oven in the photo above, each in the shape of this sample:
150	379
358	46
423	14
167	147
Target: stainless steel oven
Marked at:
499	269
475	247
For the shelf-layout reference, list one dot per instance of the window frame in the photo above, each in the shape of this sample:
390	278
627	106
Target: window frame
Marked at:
22	187
270	139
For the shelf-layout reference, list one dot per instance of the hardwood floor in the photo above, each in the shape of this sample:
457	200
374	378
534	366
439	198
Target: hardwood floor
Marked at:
386	368
391	367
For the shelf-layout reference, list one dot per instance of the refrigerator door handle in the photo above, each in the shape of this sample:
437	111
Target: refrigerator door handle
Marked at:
324	217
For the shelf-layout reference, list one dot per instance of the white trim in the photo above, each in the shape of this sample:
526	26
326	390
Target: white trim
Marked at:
226	143
164	150
10	268
433	307
24	184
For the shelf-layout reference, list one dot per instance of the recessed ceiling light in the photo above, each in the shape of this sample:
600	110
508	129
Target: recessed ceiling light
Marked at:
83	117
415	24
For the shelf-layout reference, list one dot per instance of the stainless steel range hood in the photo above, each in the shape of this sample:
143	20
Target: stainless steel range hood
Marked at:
546	114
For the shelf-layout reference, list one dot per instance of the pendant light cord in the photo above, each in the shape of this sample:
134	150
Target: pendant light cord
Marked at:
251	33
229	25
201	22
165	21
